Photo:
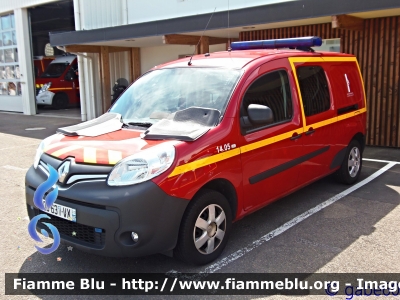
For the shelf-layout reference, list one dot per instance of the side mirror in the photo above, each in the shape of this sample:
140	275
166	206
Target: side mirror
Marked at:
260	114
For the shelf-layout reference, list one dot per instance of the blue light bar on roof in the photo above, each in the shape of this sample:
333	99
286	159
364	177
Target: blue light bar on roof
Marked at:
306	42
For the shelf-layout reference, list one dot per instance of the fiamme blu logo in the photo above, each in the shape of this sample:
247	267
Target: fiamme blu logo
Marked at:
42	203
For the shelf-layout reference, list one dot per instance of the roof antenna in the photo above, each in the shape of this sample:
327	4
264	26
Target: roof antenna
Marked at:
190	61
229	33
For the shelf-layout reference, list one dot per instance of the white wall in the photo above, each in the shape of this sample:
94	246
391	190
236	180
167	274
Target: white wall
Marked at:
102	13
11	103
153	56
144	11
106	13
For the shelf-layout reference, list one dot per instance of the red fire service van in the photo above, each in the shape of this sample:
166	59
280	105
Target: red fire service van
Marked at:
198	143
58	85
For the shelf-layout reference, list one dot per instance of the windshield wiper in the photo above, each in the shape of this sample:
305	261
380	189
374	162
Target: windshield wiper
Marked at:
141	124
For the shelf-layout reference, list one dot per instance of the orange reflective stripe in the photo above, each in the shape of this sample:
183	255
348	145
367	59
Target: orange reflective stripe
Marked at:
204	162
59	89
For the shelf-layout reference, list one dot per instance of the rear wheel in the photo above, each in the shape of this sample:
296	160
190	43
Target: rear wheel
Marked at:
350	169
204	229
60	101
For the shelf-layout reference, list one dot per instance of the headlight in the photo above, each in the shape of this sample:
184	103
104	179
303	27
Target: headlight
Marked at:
142	166
40	150
39	153
45	87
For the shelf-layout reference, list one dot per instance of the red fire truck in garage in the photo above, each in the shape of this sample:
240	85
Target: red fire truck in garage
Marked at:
59	85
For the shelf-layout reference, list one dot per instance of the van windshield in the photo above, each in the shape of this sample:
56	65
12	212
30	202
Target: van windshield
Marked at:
160	93
54	70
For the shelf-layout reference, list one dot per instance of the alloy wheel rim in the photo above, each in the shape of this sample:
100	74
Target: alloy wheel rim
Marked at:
354	161
209	229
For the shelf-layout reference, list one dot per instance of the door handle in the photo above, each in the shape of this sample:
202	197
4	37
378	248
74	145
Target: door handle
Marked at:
295	136
310	131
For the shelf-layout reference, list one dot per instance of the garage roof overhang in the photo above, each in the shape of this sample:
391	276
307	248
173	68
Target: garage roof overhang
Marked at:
266	14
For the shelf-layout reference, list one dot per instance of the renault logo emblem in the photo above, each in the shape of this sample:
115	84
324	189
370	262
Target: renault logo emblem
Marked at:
63	171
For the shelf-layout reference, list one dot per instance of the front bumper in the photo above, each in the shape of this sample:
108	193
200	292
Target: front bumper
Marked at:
45	98
106	216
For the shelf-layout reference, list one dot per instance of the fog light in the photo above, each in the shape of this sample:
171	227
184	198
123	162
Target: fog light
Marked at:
134	237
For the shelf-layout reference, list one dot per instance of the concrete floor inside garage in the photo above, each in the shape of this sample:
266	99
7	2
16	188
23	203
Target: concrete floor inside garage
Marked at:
70	112
358	233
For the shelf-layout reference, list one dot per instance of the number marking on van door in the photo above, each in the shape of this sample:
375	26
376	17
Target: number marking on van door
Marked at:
225	147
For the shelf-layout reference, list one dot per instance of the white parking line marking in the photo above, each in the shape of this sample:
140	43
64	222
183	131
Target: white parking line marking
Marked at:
382	161
241	252
35	128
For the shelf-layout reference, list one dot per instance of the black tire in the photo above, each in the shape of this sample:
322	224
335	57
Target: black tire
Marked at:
348	173
60	101
200	208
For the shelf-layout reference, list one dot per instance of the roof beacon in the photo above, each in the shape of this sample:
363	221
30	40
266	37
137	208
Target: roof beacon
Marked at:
298	43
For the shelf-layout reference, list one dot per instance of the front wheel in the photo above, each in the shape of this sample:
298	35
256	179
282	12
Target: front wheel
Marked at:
350	169
204	229
60	101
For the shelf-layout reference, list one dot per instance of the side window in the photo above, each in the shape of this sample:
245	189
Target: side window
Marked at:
272	90
314	90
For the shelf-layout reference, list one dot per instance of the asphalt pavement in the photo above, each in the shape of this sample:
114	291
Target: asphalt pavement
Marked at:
357	233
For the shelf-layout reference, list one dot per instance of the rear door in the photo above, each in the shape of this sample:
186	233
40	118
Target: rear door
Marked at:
319	118
349	98
269	152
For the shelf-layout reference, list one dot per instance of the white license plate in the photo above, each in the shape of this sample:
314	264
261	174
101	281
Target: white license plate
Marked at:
62	211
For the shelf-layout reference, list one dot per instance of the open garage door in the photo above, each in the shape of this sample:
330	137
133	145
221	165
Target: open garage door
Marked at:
56	74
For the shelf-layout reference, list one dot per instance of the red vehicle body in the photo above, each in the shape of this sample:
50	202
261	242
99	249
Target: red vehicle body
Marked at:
239	167
58	85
